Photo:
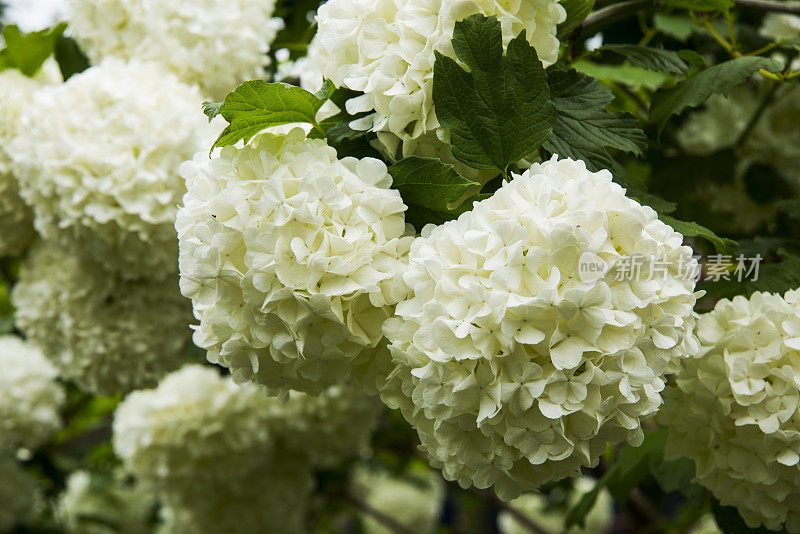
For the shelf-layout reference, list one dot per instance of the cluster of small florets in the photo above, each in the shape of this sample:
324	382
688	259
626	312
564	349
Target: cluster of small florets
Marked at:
16	218
18	493
216	45
734	408
385	49
292	259
514	367
99	158
338	423
105	504
238	471
30	397
106	333
550	511
414	498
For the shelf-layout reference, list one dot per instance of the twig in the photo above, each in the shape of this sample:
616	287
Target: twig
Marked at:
522	518
387	521
751	124
629	7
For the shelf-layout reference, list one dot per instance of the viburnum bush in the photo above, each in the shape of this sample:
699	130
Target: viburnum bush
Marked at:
413	266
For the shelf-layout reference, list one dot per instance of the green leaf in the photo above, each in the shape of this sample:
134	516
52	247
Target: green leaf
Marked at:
649	58
256	105
701	5
584	128
722	245
28	51
349	142
71	59
678	27
778	277
630	75
429	188
694	91
500	111
211	109
577	10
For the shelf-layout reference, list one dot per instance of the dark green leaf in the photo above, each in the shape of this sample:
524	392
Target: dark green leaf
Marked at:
720	78
584	128
71	59
500	111
577	10
27	51
722	245
649	58
673	475
349	142
778	277
430	189
256	105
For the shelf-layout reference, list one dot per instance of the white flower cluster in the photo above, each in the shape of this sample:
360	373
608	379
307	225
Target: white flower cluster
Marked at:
108	334
720	123
292	259
99	158
514	368
773	141
16	218
93	504
18	493
385	49
780	26
734	408
216	45
414	498
233	474
338	423
30	397
549	511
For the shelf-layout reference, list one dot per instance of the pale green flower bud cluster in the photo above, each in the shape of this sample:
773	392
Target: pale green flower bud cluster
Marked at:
106	333
105	504
734	408
30	397
227	458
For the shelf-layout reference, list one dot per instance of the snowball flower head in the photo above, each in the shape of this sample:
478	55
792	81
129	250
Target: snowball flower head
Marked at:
216	45
16	218
18	493
330	427
99	158
514	361
291	258
385	49
233	477
30	397
734	408
108	334
780	26
123	507
414	499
